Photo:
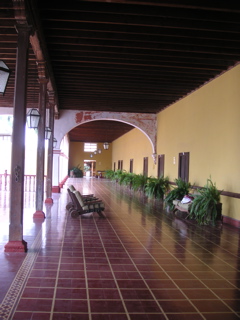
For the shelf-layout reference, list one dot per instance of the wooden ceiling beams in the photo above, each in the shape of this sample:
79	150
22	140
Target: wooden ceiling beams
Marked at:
122	56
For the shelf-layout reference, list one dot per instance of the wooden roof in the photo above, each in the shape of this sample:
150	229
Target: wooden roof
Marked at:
124	56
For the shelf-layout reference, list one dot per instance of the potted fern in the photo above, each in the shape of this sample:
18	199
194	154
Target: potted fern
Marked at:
139	182
76	172
206	207
157	187
109	174
127	179
178	192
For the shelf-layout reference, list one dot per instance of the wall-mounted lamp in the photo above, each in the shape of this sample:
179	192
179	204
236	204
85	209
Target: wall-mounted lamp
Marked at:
54	143
4	75
95	152
33	117
99	151
91	155
48	132
105	145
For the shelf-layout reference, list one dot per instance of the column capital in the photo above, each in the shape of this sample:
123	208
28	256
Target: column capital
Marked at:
51	98
42	71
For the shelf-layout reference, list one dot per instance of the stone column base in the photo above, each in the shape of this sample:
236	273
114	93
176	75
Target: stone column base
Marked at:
16	246
39	215
49	200
56	189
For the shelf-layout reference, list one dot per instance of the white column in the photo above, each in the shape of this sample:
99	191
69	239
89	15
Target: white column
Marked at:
55	178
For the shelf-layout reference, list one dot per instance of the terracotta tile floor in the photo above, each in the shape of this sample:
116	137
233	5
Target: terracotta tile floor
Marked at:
138	263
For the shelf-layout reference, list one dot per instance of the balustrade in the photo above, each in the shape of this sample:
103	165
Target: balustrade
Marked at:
29	182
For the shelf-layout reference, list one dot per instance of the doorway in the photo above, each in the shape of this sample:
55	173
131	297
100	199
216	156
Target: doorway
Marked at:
183	166
91	164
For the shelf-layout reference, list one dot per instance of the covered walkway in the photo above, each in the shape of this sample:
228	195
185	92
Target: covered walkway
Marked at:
138	263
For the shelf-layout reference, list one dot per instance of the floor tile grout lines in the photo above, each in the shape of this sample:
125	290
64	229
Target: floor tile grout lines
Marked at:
57	273
20	280
136	269
193	253
197	311
115	280
214	243
188	271
85	271
183	264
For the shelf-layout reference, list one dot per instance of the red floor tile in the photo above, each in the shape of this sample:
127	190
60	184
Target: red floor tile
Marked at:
104	306
35	305
222	315
69	315
38	293
134	264
31	316
71	293
70	306
204	305
177	306
167	294
110	317
142	306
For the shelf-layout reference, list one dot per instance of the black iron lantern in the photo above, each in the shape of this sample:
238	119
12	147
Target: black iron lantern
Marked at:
54	143
4	75
33	117
48	132
105	145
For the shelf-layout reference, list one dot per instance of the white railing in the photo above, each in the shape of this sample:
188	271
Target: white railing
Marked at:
29	182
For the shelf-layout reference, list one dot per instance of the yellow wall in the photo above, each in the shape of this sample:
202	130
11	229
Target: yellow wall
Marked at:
206	124
77	156
133	145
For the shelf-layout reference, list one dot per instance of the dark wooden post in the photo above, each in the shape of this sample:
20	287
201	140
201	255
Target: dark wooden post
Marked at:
50	152
16	242
41	141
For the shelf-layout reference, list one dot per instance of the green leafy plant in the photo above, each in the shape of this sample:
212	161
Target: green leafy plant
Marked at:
109	174
121	176
204	208
178	192
86	168
139	182
157	187
117	175
77	171
126	179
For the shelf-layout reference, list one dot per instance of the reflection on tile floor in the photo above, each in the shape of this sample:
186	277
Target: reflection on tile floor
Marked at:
138	263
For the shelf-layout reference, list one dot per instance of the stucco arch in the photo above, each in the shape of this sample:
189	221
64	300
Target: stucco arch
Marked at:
69	119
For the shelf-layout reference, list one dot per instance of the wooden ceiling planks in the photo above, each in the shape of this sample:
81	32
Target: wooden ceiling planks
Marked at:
124	56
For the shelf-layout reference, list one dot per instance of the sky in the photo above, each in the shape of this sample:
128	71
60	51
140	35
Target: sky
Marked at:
31	141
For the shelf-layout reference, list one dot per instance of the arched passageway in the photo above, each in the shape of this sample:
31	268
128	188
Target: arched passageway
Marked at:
70	119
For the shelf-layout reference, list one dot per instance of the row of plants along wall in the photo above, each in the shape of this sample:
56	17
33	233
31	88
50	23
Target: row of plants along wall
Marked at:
150	186
204	204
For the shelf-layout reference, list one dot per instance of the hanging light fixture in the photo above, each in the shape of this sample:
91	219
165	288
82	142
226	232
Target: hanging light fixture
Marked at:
54	143
4	75
95	152
33	117
48	132
105	145
91	155
99	151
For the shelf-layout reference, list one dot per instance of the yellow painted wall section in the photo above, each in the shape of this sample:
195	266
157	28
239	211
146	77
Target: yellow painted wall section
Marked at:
133	145
77	156
206	124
